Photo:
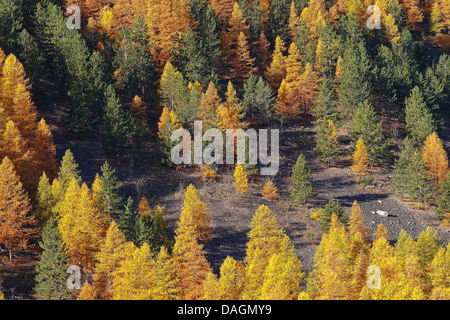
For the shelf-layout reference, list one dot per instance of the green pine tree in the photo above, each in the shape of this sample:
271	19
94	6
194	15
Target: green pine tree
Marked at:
356	79
259	98
365	124
110	201
332	207
418	118
410	178
301	181
51	270
135	71
118	125
127	220
444	199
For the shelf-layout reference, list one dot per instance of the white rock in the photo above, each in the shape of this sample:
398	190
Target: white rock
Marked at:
382	213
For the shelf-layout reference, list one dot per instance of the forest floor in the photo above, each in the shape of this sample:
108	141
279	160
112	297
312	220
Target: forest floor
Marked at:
141	175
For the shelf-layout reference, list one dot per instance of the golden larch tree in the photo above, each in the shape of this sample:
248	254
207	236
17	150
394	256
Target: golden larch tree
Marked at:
436	158
277	69
240	179
196	208
360	158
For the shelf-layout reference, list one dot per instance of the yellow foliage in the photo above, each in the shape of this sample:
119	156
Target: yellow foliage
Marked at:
240	179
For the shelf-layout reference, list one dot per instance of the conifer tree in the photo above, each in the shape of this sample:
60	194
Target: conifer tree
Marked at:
263	55
240	179
109	200
301	181
283	274
418	118
168	123
112	252
51	276
192	268
127	220
360	159
45	151
270	191
327	145
68	170
410	178
44	200
209	104
333	207
265	238
117	126
82	226
16	223
230	113
367	126
231	281
277	69
435	158
331	275
259	99
443	209
356	222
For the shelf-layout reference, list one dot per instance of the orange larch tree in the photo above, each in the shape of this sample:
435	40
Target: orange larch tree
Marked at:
16	222
435	158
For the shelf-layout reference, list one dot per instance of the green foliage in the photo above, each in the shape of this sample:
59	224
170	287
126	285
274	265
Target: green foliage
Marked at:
51	275
11	17
110	201
444	199
135	71
356	81
419	120
301	181
366	125
127	221
332	207
118	125
259	99
327	145
410	178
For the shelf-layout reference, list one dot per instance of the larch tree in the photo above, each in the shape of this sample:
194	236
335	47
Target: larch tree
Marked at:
113	250
263	55
231	112
196	208
283	274
360	159
164	19
435	158
81	224
265	238
270	191
68	170
277	69
356	222
414	13
188	255
16	222
209	104
45	151
240	179
331	274
230	284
